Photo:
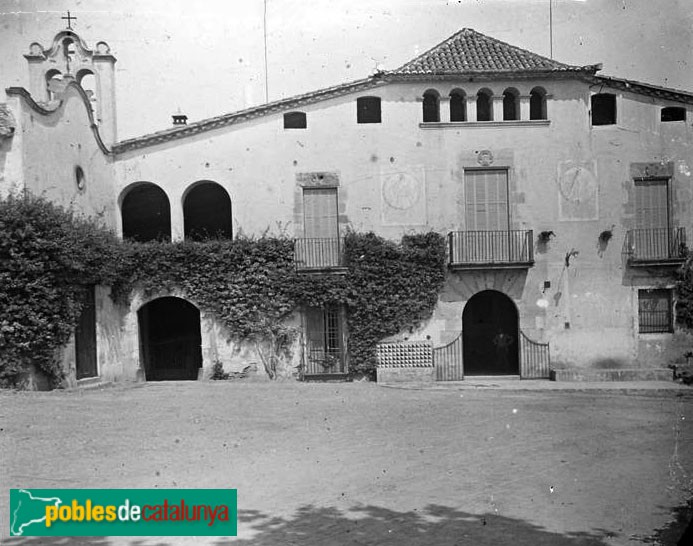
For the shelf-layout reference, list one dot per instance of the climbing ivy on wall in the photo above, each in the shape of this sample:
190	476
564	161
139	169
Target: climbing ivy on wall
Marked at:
684	293
47	256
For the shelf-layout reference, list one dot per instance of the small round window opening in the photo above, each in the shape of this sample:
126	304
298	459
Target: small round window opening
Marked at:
79	178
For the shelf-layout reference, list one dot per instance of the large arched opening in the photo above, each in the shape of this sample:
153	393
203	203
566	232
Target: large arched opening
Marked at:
490	330
170	339
146	213
207	212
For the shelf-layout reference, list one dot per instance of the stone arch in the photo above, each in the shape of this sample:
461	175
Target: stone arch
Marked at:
145	212
490	335
207	211
170	339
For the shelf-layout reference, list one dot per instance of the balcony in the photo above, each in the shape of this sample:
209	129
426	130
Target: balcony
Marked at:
315	255
510	249
655	247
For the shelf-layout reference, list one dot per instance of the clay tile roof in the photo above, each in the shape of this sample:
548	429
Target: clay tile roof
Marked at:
469	51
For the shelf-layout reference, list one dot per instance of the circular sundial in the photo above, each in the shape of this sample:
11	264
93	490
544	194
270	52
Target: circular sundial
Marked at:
401	191
577	184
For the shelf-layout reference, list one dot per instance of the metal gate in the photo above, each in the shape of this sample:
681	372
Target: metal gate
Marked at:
535	360
448	361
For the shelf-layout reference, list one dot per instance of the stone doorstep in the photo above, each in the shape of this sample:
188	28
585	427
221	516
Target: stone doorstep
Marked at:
90	383
622	374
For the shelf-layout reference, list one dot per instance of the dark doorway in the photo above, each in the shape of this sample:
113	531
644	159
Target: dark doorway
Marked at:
146	214
490	330
207	212
170	340
85	337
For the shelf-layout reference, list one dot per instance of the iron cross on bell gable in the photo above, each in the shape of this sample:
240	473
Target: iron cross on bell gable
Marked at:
69	19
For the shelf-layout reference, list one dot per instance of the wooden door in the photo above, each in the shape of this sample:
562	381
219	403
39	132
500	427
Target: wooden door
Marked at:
85	338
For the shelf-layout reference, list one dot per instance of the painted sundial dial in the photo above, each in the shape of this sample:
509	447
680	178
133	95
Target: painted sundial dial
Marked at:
577	184
401	191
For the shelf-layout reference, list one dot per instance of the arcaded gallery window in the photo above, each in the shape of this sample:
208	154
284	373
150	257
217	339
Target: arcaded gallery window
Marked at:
458	105
537	104
431	106
484	105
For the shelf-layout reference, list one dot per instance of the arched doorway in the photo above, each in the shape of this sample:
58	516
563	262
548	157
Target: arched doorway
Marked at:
490	335
170	339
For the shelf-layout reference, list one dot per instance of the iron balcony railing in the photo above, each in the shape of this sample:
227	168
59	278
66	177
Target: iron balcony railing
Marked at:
319	253
656	245
469	249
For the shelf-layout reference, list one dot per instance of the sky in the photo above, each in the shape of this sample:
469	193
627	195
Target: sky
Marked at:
207	57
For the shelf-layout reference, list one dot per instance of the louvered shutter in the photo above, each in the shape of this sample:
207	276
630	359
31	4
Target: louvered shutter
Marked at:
486	200
651	204
320	213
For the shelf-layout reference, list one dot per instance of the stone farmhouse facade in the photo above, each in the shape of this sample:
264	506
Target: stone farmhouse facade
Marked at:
566	198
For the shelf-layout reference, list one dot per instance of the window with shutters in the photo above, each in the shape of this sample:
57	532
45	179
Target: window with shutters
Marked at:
320	247
655	239
655	311
324	340
486	200
488	240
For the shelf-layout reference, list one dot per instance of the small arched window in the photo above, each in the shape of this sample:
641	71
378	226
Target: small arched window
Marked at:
537	103
431	106
146	213
458	105
368	110
603	109
484	105
673	113
295	120
511	104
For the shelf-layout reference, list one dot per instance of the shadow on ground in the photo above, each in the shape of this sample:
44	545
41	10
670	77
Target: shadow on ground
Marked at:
434	524
314	526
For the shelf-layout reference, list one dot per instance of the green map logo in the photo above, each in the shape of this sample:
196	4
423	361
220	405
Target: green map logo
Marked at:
123	512
29	510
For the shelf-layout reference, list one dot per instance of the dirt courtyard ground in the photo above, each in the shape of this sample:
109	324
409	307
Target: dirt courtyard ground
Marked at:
334	464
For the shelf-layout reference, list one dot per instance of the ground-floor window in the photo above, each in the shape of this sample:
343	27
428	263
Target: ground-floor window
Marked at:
324	340
655	311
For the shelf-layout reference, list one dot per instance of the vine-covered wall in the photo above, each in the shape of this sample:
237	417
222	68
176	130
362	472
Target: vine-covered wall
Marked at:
249	285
